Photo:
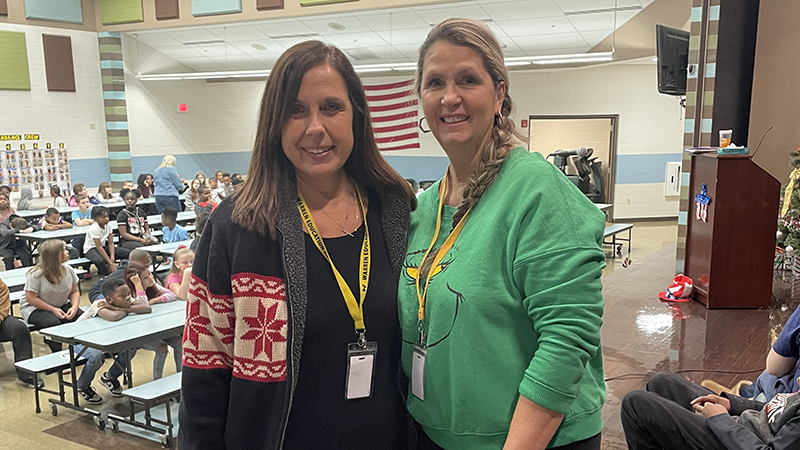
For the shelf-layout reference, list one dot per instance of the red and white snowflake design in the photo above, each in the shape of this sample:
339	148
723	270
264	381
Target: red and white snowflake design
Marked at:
245	331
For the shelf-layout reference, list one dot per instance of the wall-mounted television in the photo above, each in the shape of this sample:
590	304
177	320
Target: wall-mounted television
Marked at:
672	46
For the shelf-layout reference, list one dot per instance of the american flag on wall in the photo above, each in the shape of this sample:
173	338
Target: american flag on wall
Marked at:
393	108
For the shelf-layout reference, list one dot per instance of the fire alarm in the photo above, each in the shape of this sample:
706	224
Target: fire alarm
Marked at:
183	107
524	123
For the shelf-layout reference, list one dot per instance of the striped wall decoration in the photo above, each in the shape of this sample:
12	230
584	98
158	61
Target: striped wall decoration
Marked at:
699	102
119	149
393	109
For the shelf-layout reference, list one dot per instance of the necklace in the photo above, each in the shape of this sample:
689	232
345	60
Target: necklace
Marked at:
346	216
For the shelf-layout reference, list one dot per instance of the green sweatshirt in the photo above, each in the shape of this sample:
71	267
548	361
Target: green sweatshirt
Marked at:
515	307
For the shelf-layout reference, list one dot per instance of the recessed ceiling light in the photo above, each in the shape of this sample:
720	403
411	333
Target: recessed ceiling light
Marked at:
336	26
258	46
503	45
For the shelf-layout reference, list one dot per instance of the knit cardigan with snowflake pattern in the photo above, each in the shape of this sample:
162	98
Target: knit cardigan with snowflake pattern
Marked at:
245	322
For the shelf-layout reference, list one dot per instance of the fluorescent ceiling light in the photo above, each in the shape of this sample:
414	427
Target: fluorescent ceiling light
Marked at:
577	58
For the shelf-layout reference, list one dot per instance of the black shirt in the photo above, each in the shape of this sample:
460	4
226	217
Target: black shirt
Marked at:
134	221
321	417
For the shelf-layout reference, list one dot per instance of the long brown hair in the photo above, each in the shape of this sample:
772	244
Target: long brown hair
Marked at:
101	190
136	268
49	263
258	200
477	36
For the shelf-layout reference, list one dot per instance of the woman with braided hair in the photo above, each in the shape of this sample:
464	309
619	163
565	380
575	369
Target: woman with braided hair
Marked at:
500	298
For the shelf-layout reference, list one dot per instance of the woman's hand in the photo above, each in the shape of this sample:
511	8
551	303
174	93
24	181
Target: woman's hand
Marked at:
71	312
711	405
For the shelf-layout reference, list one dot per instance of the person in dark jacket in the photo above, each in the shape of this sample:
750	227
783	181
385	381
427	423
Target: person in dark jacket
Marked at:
664	417
304	259
10	246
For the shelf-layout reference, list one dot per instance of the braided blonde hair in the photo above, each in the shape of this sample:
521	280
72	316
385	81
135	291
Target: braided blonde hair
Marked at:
504	137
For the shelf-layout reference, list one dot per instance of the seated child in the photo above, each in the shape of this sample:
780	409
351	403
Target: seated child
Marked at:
58	199
116	304
11	247
203	204
177	281
82	217
15	331
199	226
664	417
172	231
99	246
51	221
139	256
78	188
156	294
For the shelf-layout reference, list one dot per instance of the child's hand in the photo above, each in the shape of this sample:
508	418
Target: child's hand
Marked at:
103	304
112	267
711	405
137	282
153	301
187	272
27	230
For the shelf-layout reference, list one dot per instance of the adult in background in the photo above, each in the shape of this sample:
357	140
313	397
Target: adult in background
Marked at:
25	199
6	210
51	290
14	331
168	185
501	316
314	142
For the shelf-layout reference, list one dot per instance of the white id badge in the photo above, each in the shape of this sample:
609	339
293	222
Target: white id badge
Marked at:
360	370
418	372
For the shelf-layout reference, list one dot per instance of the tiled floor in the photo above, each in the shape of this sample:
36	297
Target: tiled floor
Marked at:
640	335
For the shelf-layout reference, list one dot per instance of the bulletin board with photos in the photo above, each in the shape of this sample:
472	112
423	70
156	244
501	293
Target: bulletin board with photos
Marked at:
38	168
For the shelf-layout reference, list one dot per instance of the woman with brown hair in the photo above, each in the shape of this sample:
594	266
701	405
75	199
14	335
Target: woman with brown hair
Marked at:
303	259
501	301
51	290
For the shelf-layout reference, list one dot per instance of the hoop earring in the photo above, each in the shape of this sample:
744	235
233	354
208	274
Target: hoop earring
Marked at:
419	124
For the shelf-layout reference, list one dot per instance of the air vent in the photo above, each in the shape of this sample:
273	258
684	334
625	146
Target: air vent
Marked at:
361	54
215	41
605	10
294	36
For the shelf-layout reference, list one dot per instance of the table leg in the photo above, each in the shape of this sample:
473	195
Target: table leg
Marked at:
73	369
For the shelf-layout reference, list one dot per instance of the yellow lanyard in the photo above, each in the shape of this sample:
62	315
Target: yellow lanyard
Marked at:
448	244
356	308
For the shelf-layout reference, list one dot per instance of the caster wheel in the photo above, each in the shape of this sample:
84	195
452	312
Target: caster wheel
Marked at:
53	410
619	250
114	426
166	442
99	423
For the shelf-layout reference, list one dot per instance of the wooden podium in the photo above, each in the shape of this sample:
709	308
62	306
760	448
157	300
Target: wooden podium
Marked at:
730	256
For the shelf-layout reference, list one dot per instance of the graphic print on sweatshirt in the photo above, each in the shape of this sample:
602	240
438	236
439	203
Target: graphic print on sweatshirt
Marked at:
442	309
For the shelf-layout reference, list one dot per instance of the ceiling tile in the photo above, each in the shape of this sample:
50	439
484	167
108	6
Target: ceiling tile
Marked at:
180	52
157	40
288	42
320	25
532	44
201	64
589	5
193	35
410	50
217	51
283	27
600	21
354	40
530	9
246	47
392	21
414	36
558	51
498	32
434	16
386	53
237	33
533	27
595	37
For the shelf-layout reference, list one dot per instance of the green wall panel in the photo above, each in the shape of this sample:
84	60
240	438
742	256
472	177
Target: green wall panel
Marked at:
14	61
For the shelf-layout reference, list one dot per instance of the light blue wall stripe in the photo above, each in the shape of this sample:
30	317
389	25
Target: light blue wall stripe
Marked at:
713	12
685	179
121	177
91	172
119	155
688	126
682	215
213	7
116	125
706	127
114	34
644	168
419	168
108	64
54	10
697	14
114	95
711	70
